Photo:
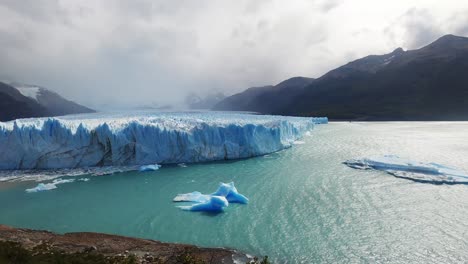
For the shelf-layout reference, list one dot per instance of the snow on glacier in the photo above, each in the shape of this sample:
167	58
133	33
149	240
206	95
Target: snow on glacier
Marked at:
123	139
412	170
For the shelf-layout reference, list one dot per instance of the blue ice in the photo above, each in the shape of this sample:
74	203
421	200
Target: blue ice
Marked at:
212	204
134	139
227	190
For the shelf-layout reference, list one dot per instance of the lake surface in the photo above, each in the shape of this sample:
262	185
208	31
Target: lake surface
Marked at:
305	205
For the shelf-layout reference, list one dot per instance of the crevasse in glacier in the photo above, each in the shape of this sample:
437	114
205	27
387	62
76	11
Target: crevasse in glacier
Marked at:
144	138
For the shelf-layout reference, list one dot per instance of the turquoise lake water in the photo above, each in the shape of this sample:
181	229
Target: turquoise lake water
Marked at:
305	205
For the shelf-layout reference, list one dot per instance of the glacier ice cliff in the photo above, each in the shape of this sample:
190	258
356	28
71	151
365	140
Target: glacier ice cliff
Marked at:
227	190
412	170
122	139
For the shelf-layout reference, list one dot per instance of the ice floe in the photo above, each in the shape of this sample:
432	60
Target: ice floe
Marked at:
49	186
412	170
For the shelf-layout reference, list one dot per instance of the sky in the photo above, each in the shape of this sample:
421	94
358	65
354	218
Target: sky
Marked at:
143	52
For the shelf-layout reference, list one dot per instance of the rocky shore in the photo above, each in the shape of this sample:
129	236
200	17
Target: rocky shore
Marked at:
114	248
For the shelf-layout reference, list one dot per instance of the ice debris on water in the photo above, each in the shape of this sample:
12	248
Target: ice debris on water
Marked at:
151	167
205	201
412	170
48	186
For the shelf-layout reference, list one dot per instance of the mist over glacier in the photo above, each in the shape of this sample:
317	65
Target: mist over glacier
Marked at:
142	138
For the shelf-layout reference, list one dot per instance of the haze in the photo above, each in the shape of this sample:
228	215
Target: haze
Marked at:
128	52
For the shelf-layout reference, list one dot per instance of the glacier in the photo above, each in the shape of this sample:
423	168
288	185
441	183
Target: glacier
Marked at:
141	138
412	170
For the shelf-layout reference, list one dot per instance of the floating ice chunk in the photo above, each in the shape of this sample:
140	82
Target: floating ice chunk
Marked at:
48	186
227	190
153	167
83	179
412	170
213	204
298	142
192	197
182	165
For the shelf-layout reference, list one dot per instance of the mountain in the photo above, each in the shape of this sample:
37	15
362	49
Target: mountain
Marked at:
22	101
424	84
195	101
265	99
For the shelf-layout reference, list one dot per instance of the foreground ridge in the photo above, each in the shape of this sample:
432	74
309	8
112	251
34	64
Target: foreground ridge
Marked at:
113	248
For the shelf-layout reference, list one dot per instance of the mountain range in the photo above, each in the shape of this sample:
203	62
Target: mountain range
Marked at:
430	83
19	100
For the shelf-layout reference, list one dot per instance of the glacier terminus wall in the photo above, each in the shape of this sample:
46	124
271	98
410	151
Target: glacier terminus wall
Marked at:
144	138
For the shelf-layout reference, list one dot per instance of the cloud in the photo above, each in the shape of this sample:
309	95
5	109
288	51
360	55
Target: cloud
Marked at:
143	51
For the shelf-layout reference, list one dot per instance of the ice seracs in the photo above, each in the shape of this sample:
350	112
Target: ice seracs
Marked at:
412	170
123	139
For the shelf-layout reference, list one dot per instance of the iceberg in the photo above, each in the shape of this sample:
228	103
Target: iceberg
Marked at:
213	204
48	186
227	190
412	170
153	167
123	139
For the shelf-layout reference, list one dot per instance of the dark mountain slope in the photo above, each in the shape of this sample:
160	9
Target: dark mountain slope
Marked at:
266	98
23	101
430	83
14	105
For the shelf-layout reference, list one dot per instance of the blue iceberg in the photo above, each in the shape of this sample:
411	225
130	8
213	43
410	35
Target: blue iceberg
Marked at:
212	204
225	194
412	170
135	139
227	190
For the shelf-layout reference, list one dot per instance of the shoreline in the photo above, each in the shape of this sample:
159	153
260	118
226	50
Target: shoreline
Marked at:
109	246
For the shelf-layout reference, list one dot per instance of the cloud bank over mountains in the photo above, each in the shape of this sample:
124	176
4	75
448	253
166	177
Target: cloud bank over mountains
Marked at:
143	51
